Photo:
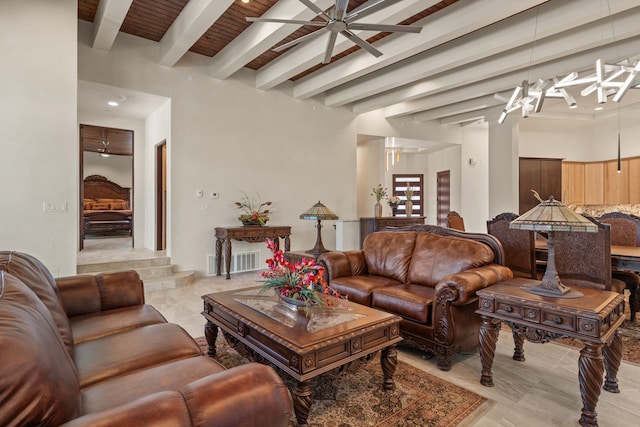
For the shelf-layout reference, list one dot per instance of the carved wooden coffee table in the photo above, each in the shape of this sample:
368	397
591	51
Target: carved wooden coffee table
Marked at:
303	343
594	319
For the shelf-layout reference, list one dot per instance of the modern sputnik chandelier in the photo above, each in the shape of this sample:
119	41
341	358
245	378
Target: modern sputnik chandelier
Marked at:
606	80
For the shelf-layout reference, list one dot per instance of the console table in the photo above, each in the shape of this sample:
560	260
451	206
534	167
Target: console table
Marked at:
370	225
593	319
250	234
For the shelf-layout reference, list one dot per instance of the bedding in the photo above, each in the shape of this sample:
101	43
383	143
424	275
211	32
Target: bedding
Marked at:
106	206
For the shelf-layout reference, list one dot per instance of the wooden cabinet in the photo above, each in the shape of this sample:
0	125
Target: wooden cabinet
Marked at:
616	185
371	225
634	180
594	183
601	182
573	183
542	175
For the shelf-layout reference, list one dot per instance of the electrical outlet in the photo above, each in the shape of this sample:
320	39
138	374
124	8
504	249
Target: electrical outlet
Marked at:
215	195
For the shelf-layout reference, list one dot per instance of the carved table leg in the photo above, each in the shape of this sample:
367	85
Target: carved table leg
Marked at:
302	400
211	334
218	257
388	362
612	356
590	371
518	350
287	244
634	302
227	257
488	337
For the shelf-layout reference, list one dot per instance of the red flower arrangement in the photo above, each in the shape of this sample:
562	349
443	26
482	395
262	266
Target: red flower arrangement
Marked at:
301	281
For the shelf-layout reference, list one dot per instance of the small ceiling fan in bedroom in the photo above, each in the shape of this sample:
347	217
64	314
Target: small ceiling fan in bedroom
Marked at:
337	20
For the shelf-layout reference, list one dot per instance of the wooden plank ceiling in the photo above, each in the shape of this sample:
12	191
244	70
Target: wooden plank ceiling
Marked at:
150	19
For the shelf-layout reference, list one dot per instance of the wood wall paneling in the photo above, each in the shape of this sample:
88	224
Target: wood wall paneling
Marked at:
594	183
616	185
573	183
634	180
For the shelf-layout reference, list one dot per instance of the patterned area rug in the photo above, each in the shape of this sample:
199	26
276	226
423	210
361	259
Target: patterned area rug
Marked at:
357	399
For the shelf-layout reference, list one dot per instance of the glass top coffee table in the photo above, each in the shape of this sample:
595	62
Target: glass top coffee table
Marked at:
302	342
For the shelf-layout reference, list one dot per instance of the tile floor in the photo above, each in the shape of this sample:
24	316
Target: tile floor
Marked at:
543	391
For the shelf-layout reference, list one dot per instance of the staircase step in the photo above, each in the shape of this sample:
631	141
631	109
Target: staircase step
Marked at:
172	281
133	264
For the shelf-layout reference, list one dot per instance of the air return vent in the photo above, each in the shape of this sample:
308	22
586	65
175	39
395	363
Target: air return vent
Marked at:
240	262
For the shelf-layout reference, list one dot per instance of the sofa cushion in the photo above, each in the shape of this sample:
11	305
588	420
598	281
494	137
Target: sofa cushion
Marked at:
96	325
388	253
124	352
166	377
358	288
436	257
36	276
38	382
411	301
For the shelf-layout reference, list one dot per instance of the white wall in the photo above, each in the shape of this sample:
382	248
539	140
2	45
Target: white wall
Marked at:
157	130
38	130
503	168
475	198
118	169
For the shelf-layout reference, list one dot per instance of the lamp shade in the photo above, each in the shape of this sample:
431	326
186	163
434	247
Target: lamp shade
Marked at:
319	212
552	216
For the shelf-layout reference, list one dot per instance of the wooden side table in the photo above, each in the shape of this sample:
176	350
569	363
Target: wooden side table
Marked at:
593	319
251	234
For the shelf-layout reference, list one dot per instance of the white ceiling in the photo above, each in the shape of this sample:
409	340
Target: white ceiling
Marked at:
465	54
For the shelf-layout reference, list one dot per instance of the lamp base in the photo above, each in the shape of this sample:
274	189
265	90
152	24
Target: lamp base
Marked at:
538	290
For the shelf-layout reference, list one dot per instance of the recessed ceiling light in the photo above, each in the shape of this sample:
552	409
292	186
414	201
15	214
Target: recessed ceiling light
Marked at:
113	103
598	108
245	1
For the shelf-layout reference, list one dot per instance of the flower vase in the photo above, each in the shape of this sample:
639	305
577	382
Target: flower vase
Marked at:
408	207
377	210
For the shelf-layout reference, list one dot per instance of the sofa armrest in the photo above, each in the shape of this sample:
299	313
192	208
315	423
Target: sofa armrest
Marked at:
85	294
341	264
247	395
460	289
465	284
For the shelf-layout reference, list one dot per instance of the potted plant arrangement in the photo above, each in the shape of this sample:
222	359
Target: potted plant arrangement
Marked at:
252	212
297	284
379	193
408	204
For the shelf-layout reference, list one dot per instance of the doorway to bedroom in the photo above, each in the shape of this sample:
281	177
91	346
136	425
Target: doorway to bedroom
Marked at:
106	185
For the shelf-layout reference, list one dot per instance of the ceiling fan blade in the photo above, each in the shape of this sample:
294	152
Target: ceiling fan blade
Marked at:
368	8
341	9
385	27
330	45
288	21
362	43
300	40
316	9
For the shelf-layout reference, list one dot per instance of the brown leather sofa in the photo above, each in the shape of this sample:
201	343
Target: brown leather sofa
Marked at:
87	351
429	276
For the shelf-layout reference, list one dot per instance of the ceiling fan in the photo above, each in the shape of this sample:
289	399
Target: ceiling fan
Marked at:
337	20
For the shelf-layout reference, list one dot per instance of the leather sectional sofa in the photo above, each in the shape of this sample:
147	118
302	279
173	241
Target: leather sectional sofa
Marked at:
426	274
87	351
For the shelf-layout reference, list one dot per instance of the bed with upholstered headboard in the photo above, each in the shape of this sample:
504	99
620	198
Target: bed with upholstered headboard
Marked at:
106	206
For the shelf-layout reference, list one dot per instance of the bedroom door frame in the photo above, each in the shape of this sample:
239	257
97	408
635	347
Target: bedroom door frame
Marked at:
81	181
161	196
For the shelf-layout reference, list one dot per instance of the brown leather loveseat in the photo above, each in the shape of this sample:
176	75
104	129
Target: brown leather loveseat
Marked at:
87	351
429	276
